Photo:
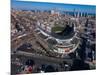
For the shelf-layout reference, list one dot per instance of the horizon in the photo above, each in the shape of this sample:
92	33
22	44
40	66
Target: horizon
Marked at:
23	5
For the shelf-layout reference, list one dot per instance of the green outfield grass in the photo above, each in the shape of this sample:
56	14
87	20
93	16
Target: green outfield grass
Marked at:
57	29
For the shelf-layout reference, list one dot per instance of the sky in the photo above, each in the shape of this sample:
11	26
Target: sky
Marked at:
44	5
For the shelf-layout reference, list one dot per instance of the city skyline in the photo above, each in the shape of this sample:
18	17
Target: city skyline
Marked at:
49	6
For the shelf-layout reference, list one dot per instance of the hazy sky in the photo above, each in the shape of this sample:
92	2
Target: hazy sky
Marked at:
45	5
